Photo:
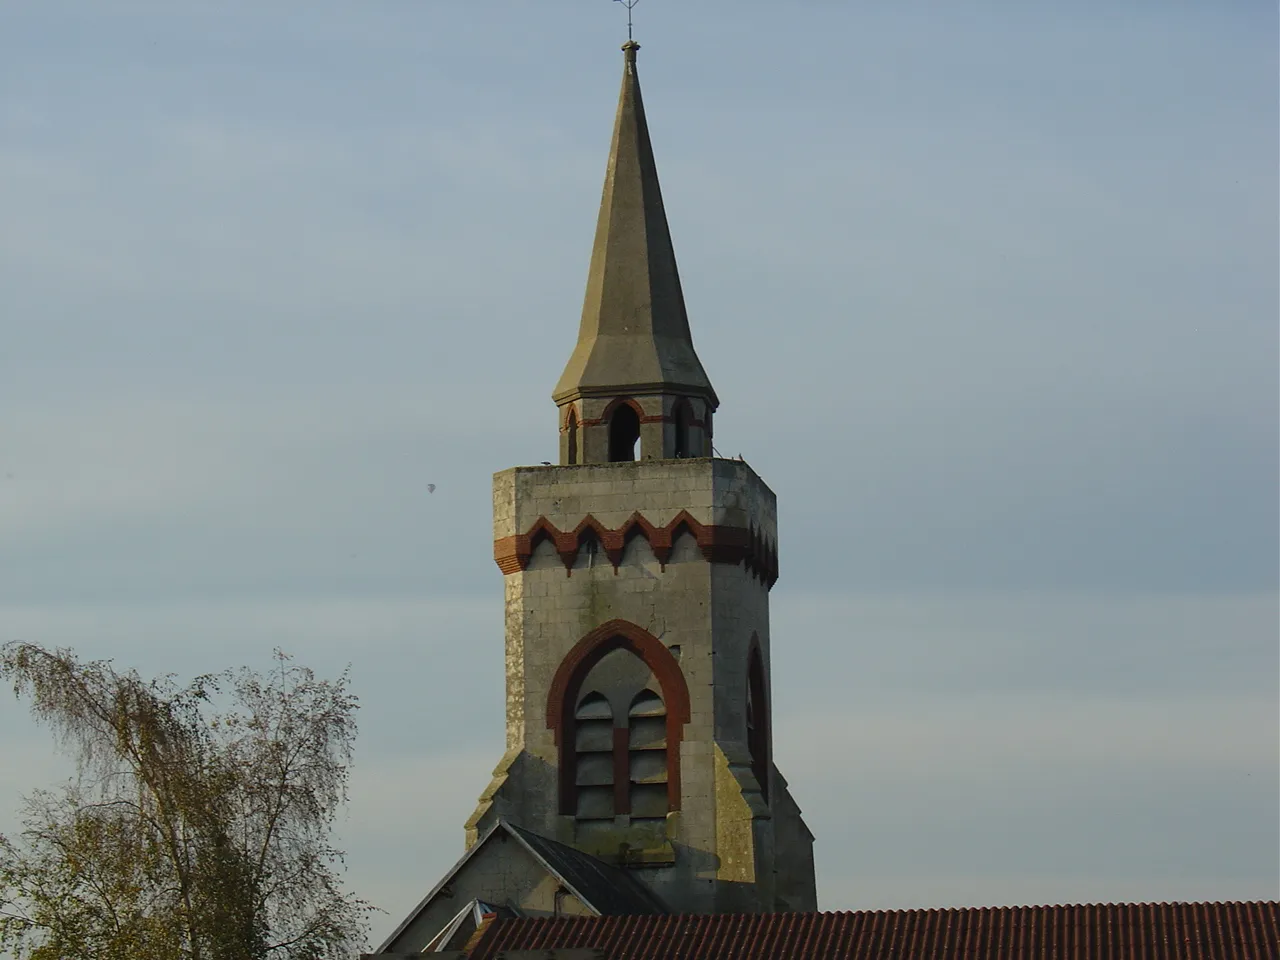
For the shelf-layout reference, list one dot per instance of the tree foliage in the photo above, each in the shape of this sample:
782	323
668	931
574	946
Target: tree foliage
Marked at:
198	826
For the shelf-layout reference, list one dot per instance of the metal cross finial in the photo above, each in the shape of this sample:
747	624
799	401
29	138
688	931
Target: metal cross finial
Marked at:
630	5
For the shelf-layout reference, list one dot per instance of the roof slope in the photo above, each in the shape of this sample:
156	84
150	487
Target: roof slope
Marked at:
600	886
603	887
1162	931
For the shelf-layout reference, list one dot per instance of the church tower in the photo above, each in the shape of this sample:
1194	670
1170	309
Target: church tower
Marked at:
639	777
637	575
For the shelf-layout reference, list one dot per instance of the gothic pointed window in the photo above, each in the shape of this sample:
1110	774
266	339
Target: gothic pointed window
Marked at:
683	417
624	431
758	722
571	428
619	734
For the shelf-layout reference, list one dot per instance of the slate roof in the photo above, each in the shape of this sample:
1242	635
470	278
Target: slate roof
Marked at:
1160	931
600	886
603	887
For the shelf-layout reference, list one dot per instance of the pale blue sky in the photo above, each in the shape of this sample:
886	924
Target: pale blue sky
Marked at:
988	291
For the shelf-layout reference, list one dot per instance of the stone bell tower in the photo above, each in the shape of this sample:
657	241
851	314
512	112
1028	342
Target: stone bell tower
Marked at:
637	575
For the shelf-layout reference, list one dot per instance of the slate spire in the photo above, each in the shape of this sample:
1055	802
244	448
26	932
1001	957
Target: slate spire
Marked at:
634	338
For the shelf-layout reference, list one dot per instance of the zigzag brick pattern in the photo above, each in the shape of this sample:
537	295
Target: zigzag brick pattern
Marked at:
717	543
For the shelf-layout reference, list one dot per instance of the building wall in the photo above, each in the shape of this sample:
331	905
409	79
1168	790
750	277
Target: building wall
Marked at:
795	885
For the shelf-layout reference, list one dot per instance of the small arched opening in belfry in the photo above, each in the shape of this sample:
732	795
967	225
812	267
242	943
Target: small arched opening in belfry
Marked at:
624	431
758	721
571	428
683	417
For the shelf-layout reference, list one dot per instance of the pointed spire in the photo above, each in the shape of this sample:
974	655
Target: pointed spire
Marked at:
634	337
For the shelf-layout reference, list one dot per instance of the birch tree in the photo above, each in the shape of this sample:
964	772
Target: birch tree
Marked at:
198	825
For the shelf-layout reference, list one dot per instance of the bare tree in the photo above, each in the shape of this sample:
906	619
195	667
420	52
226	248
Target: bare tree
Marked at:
190	832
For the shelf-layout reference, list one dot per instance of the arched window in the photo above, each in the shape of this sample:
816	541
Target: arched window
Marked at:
571	427
624	431
593	744
758	721
618	705
683	415
647	756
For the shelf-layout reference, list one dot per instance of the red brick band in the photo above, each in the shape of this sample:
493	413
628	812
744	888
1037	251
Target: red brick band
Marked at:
717	543
646	418
604	418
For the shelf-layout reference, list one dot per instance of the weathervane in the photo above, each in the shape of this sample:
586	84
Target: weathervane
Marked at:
630	5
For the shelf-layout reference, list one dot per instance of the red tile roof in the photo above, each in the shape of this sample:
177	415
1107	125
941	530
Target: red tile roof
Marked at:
1149	931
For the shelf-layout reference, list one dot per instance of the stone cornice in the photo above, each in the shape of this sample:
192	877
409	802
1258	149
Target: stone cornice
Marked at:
718	543
648	389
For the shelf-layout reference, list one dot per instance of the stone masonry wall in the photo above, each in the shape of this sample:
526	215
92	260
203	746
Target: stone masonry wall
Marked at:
501	872
707	615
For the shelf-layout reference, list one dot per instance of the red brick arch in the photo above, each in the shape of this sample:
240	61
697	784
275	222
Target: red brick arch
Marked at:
570	417
617	402
573	670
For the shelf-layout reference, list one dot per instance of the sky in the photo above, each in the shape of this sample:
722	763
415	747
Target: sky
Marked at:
988	292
